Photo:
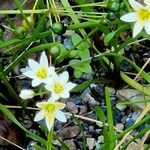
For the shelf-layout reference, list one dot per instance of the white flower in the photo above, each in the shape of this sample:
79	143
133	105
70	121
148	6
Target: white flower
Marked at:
50	110
59	86
26	94
141	17
39	72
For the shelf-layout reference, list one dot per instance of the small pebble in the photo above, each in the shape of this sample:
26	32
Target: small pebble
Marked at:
72	108
133	146
71	144
70	132
58	38
77	101
120	126
88	99
82	110
68	43
101	139
90	143
120	106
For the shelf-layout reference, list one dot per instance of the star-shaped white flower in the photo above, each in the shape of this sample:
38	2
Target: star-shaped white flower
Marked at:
141	17
39	72
50	110
59	86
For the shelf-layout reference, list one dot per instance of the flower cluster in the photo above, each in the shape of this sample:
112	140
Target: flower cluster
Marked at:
57	84
141	16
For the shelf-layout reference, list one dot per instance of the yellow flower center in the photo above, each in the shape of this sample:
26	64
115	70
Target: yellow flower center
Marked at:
58	88
144	15
42	73
50	108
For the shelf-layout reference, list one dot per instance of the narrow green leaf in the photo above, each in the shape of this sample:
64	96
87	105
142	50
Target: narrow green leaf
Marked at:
134	84
100	115
14	120
84	85
111	132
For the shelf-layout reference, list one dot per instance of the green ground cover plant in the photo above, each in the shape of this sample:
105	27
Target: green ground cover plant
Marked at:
52	46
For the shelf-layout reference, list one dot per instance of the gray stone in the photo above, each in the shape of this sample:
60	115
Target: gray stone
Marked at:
71	107
83	109
88	99
119	126
70	144
70	132
90	143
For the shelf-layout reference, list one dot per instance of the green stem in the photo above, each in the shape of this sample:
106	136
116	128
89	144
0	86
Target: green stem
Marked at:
109	109
26	53
9	87
50	139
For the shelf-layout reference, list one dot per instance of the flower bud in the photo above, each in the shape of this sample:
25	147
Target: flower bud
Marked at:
26	94
30	19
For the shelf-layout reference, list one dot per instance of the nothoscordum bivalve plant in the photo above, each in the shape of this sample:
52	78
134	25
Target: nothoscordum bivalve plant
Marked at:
141	17
39	72
50	110
59	86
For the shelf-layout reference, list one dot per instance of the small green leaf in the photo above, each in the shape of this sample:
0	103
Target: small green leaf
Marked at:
80	65
77	40
62	53
84	54
108	37
78	74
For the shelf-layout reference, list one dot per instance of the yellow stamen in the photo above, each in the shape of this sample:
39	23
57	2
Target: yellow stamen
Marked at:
42	73
50	108
58	88
144	15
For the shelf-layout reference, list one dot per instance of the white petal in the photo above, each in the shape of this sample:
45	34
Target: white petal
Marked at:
55	96
25	69
49	121
130	17
42	104
60	116
43	60
59	105
51	100
69	86
29	74
39	116
65	94
51	70
135	5
64	77
147	2
33	65
137	29
48	87
147	27
36	82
